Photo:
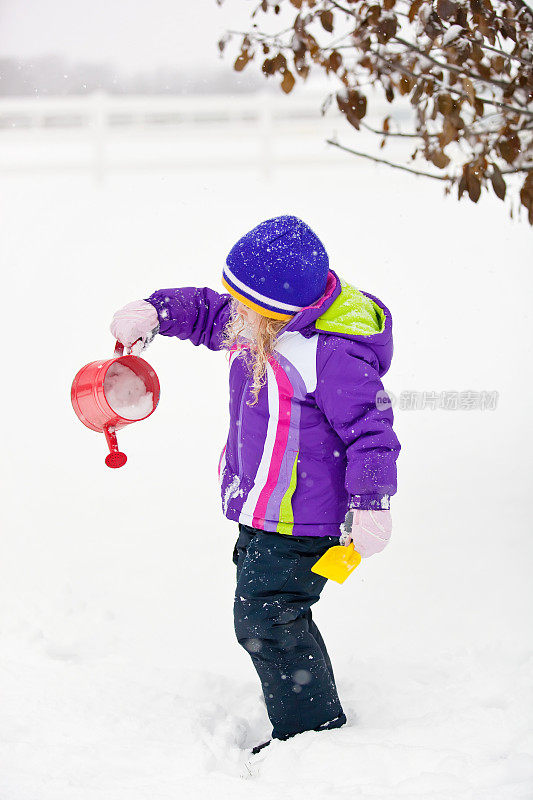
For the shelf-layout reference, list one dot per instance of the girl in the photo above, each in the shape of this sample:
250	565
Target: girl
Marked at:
310	448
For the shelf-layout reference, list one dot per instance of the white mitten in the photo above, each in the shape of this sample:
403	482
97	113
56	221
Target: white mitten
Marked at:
136	322
369	530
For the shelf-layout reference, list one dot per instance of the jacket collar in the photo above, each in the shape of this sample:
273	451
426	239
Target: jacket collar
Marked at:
309	314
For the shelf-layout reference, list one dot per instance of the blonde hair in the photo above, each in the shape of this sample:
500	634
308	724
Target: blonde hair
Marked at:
257	351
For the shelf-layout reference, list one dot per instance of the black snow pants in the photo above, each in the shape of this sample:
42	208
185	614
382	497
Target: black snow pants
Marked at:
272	613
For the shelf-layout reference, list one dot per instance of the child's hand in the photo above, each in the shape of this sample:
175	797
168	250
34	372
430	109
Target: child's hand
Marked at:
369	531
137	320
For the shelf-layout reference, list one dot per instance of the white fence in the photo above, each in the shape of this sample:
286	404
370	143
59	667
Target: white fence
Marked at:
145	111
109	132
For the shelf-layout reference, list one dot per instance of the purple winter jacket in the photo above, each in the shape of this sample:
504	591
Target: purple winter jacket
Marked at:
316	436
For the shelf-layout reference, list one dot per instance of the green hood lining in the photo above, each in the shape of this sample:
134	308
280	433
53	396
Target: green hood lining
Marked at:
352	313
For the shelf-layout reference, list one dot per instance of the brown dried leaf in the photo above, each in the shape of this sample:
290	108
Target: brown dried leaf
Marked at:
477	52
468	86
418	92
498	64
484	71
312	45
241	61
374	13
279	62
405	84
449	132
386	28
360	106
461	50
440	159
352	103
433	26
462	184
415	7
526	196
287	84
478	105
326	18
335	61
445	104
473	186
461	17
498	183
446	9
509	148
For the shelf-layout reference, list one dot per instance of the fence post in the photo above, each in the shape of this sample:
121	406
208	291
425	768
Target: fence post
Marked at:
99	131
266	120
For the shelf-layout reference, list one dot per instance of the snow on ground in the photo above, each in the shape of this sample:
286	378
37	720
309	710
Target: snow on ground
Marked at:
119	673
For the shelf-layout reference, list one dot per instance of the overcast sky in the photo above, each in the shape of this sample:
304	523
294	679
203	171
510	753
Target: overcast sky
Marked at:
132	34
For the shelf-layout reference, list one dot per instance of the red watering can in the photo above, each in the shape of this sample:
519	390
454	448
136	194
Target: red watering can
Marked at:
108	395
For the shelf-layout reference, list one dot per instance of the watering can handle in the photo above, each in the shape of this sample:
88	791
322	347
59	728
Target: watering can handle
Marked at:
119	348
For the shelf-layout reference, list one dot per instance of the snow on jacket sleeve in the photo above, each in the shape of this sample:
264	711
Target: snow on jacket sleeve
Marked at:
346	393
198	314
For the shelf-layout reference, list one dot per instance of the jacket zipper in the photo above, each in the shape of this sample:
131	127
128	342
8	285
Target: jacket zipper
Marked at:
239	440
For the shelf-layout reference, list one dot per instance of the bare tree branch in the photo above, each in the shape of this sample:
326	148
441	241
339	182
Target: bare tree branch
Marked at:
509	56
392	133
526	168
389	163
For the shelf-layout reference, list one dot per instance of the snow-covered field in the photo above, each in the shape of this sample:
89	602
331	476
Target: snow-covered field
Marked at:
119	674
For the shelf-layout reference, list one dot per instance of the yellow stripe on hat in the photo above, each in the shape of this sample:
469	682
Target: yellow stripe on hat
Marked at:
265	312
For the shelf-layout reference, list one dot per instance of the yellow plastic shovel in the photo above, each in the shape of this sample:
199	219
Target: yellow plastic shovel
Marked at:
337	563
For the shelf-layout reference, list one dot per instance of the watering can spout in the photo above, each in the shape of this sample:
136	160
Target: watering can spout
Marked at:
114	458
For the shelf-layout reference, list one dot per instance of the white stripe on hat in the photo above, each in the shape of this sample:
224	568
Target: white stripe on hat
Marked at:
261	298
